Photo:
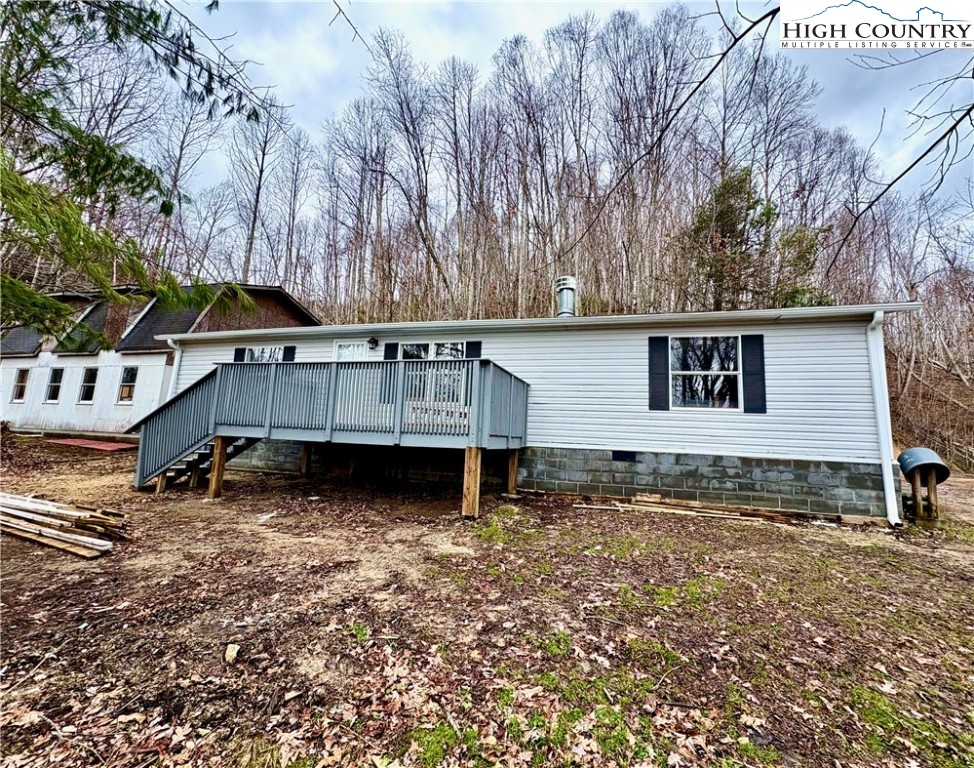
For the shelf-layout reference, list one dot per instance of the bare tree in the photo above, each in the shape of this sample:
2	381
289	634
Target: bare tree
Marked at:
253	154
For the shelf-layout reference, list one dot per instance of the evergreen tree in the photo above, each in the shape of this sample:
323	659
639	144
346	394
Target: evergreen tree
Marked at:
50	167
738	257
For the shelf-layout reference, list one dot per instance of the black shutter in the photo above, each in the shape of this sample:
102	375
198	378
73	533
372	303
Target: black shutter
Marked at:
473	350
239	354
288	356
659	373
752	369
387	392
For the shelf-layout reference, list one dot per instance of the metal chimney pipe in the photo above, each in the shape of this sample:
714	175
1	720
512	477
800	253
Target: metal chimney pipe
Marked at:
565	289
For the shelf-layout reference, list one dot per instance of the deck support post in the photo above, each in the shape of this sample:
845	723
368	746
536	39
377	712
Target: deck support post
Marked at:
196	474
917	494
219	462
931	492
161	481
512	472
471	482
306	452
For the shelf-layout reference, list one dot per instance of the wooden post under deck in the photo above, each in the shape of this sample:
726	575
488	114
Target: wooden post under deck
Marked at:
161	481
932	492
512	472
471	482
219	462
306	459
196	474
917	494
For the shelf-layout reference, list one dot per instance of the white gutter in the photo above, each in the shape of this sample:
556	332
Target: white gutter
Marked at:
877	376
798	314
177	361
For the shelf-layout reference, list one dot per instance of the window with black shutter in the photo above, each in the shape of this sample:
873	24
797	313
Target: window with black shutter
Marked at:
659	373
721	372
752	369
387	393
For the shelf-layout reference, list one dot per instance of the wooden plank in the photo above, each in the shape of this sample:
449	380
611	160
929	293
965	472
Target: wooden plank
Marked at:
71	538
756	511
306	459
219	463
102	511
60	513
512	457
471	482
162	481
748	515
71	526
79	511
72	548
39	505
674	511
932	492
196	474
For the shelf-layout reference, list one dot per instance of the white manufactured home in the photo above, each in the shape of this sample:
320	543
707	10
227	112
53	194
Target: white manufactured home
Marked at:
783	408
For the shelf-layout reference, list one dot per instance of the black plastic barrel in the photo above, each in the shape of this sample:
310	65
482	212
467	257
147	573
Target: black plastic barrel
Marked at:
922	460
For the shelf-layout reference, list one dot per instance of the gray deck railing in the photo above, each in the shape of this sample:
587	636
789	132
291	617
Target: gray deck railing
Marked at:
426	403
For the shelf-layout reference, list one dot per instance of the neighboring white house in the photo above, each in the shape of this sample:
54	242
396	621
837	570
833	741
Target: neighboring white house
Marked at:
784	407
73	385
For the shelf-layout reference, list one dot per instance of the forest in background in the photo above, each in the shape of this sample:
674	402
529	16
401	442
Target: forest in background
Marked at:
444	191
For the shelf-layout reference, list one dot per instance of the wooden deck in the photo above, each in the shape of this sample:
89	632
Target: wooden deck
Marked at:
466	404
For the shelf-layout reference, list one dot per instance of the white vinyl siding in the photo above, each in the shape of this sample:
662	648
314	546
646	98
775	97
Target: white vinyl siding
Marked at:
590	388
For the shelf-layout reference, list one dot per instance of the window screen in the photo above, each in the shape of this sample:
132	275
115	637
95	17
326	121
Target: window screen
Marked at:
20	385
126	389
705	372
54	385
88	379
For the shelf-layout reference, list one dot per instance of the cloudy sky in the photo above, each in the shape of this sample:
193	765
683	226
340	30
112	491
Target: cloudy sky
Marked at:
317	66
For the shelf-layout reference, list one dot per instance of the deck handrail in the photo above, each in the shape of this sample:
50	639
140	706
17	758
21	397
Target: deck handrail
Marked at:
434	403
176	429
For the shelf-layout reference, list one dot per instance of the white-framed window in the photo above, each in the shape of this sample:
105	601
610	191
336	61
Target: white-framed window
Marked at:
20	385
264	354
705	372
89	377
347	351
434	350
54	385
435	385
126	386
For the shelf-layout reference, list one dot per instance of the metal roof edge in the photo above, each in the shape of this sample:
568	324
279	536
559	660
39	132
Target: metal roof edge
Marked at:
791	314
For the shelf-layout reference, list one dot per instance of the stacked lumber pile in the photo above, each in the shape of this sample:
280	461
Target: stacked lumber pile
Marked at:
84	531
648	502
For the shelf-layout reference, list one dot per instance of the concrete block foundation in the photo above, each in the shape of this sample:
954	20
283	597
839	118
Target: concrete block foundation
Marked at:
845	488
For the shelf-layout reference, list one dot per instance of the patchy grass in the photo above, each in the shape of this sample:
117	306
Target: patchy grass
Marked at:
360	631
556	644
377	629
435	743
888	727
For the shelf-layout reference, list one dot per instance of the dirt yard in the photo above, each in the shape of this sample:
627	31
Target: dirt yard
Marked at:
372	627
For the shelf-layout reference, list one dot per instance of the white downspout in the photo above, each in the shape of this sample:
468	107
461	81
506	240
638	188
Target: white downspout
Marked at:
177	361
877	375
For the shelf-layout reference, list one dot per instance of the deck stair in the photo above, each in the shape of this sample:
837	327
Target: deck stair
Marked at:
195	467
472	404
